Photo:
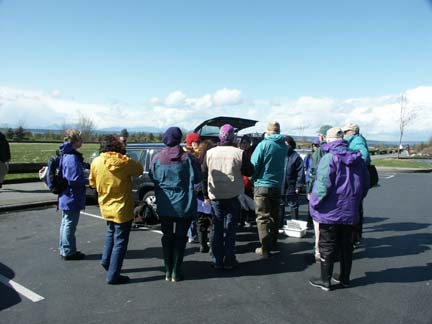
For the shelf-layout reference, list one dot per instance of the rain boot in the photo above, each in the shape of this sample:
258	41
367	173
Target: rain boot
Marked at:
326	273
265	240
168	254
179	250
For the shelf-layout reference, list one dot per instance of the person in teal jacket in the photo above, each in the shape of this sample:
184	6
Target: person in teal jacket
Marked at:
175	174
268	160
356	142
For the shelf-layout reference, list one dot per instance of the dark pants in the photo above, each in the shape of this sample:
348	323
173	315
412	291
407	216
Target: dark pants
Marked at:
335	238
115	247
175	229
358	229
225	215
267	211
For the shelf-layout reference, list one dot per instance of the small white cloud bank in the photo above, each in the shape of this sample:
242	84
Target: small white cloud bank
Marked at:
378	117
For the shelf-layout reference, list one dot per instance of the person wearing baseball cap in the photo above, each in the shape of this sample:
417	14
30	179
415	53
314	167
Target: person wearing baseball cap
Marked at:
342	181
269	163
356	141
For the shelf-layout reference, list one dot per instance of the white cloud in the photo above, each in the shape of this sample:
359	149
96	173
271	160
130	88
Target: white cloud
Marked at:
175	98
377	117
227	97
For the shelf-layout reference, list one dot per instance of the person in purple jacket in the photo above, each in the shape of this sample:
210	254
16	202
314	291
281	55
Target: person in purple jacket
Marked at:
341	183
71	200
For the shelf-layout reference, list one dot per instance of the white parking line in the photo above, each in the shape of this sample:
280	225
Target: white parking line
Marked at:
141	228
27	293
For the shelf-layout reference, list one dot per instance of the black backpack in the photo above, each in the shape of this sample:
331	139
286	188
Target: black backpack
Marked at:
54	175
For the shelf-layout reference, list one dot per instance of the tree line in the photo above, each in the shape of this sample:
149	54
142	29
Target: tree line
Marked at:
20	134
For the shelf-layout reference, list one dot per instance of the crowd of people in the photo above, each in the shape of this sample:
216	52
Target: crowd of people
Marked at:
202	189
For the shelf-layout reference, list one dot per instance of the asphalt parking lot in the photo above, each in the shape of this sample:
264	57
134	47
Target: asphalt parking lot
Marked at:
391	277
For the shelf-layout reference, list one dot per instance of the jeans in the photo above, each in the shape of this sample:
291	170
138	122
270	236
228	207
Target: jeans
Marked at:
225	213
115	247
68	227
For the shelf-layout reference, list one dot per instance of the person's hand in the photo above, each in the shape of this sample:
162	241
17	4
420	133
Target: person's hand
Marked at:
308	196
206	201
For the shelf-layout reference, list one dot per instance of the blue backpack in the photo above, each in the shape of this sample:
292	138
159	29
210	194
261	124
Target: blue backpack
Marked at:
54	175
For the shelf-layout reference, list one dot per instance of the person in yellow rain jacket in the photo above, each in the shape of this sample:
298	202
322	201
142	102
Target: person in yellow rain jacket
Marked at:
110	175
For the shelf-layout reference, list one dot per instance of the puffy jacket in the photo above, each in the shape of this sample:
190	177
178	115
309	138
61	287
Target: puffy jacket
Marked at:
341	183
268	160
358	143
294	172
73	197
174	173
110	175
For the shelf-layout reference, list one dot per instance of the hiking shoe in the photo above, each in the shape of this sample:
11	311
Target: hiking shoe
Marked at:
76	256
264	255
336	279
217	266
317	282
120	280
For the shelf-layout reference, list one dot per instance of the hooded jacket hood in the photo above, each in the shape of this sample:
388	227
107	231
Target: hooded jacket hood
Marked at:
114	161
66	148
278	138
340	150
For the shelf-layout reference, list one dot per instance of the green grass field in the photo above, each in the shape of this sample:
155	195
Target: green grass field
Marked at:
395	163
39	152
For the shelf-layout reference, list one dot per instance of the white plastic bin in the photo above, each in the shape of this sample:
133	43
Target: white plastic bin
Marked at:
295	228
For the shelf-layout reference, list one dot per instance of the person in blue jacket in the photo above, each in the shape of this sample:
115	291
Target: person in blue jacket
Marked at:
71	200
293	182
175	173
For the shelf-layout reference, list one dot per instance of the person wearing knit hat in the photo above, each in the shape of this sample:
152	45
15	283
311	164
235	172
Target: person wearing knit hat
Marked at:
316	157
174	173
226	134
172	136
192	142
224	167
268	160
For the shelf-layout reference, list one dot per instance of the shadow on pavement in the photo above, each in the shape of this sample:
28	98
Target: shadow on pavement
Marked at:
9	297
398	227
396	275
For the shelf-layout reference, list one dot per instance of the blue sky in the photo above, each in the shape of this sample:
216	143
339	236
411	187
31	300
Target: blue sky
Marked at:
129	57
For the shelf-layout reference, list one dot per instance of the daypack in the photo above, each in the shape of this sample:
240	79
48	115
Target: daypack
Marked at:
373	174
52	175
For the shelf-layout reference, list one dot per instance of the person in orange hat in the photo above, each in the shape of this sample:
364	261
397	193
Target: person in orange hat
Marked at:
192	142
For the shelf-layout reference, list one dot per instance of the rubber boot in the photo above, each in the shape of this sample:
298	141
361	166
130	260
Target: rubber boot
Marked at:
326	274
179	250
203	238
281	215
265	240
168	254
